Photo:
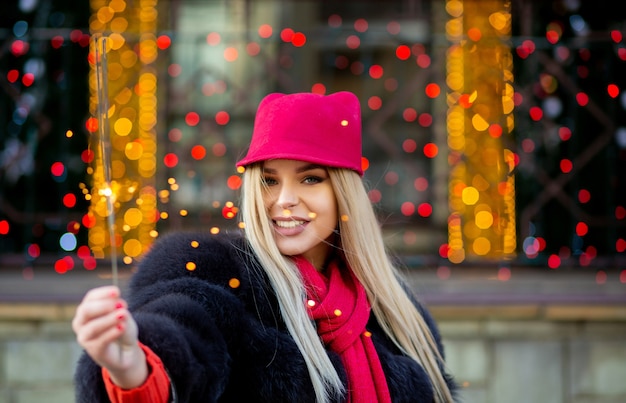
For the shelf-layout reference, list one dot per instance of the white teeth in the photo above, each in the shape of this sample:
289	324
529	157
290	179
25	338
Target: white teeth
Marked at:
289	224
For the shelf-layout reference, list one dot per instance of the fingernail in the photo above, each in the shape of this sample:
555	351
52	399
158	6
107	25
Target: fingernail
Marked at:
120	316
120	326
119	305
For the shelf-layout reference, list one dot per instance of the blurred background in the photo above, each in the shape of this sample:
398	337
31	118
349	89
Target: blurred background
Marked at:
494	148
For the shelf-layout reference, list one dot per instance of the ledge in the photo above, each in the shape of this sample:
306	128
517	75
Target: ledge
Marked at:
463	293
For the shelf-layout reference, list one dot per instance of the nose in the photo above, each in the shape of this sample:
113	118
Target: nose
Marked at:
287	197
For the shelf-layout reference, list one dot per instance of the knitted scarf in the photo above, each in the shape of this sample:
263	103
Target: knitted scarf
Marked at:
338	304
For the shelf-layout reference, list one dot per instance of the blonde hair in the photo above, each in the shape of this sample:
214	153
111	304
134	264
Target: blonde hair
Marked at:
362	245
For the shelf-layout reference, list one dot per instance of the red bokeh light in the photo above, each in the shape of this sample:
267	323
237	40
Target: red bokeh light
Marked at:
87	156
582	229
536	113
265	31
33	250
425	119
425	209
286	34
365	163
4	227
233	182
407	209
554	261
222	118
409	114
219	149
375	103
13	76
213	39
89	220
566	165
376	71
616	36
91	125
361	25
28	79
192	118
423	61
298	39
83	251
432	90
565	133
318	88
69	200
198	152
552	36
57	41
170	160
582	99
231	54
584	196
474	34
403	52
57	169
375	196
431	150
163	42
444	249
409	146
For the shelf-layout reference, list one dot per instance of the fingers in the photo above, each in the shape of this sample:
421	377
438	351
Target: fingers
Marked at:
100	319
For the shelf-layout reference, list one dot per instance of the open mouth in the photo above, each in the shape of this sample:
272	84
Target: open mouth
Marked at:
289	223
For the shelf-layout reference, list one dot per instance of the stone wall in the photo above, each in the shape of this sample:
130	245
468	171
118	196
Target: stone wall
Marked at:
505	353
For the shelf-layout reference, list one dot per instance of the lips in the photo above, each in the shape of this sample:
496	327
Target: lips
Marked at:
289	227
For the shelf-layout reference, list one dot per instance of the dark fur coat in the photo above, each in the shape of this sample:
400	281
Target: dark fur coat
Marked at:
219	332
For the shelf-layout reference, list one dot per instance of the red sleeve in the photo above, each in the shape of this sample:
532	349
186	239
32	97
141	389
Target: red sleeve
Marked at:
155	389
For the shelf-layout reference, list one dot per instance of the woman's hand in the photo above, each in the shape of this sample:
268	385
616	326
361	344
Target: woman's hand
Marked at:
107	331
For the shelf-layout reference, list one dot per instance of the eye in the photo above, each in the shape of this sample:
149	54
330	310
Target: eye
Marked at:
268	181
312	179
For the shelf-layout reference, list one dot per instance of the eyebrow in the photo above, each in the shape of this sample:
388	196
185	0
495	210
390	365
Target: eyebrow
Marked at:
303	168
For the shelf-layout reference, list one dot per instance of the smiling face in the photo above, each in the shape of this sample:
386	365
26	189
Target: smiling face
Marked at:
301	203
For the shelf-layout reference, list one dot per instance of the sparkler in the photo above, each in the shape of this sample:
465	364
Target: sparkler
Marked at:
104	142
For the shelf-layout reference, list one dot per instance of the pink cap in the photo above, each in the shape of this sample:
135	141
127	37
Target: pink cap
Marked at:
321	129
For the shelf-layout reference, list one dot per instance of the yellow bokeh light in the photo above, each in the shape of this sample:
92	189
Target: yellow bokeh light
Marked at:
133	151
454	8
119	25
133	247
481	246
105	14
479	123
484	219
133	217
470	195
123	126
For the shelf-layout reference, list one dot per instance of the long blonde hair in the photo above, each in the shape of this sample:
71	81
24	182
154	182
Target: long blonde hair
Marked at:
362	245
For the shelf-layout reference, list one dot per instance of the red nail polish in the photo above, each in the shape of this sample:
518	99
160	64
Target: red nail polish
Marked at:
119	305
120	316
120	326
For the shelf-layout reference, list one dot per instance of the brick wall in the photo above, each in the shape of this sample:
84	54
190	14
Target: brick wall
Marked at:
507	353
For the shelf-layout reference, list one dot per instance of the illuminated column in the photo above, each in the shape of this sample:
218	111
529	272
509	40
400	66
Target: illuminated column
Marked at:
480	118
132	86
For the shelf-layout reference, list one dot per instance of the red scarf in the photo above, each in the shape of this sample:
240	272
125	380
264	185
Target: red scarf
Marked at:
340	308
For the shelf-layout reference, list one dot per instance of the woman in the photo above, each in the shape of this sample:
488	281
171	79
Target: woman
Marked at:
305	306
